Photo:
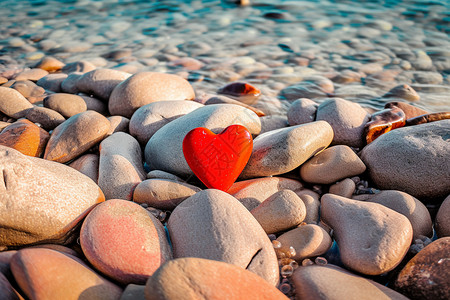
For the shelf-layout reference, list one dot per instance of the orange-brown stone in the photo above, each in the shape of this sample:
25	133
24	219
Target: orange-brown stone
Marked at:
384	121
26	137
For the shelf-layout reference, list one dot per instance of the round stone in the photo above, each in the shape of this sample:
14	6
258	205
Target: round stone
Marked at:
208	279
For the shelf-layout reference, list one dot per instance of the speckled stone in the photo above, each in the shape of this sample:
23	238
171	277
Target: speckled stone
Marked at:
197	278
426	275
88	165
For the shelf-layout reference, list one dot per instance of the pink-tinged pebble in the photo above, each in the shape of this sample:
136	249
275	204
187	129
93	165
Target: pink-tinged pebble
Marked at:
124	241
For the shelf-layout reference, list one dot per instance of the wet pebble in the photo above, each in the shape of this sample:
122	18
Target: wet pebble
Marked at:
302	111
426	274
246	245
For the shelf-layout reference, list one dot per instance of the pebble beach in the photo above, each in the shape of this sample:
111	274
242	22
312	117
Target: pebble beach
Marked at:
332	119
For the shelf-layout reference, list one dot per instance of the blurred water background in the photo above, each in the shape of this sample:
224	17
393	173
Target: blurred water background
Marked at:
364	47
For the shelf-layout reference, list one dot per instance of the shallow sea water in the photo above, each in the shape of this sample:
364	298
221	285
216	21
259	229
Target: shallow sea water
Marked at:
364	47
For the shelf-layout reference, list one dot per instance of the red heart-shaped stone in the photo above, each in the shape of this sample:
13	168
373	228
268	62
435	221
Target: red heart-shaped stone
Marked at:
217	160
